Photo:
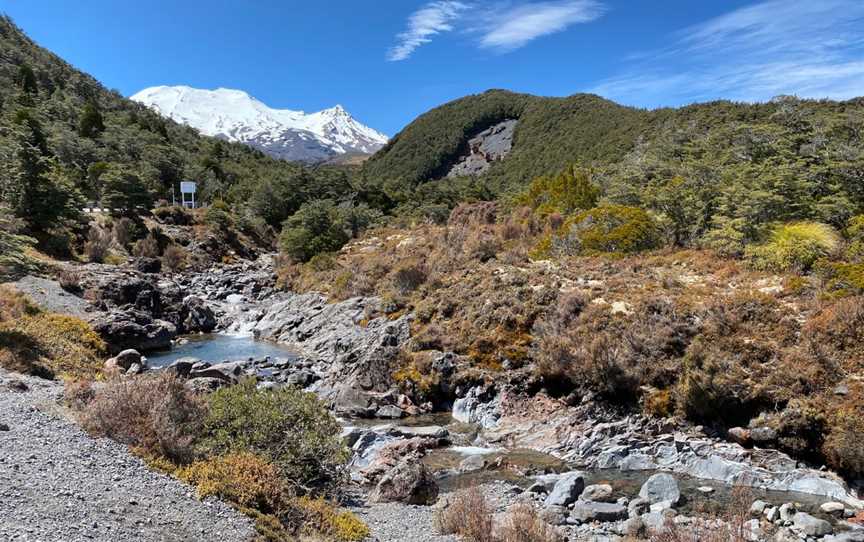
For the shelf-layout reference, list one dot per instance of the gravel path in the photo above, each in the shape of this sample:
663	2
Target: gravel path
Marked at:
396	522
58	484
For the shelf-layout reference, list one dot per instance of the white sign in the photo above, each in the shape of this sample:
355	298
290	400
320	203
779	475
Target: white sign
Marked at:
187	187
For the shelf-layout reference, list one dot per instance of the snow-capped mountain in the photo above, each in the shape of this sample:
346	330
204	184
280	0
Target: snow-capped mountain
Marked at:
236	116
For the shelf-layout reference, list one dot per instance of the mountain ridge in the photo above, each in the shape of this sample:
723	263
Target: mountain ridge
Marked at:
235	115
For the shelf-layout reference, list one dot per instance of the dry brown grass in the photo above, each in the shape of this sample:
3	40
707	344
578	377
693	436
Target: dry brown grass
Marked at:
522	523
153	413
469	515
728	527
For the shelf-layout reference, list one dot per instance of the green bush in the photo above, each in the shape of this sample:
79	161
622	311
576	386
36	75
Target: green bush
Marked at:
610	228
289	427
795	246
317	227
567	192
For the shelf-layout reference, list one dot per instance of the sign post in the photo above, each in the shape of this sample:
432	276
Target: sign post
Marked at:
188	187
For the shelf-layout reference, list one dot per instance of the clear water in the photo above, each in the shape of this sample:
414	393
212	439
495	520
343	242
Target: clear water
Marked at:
218	348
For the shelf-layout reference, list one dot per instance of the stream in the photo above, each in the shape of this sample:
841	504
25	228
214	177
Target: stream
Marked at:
518	467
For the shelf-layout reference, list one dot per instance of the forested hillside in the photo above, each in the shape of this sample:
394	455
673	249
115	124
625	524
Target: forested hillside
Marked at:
66	140
716	162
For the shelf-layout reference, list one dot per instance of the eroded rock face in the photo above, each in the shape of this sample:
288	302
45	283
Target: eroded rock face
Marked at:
486	147
358	359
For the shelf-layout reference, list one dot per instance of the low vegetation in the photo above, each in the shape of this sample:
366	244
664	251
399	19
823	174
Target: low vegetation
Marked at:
45	344
469	514
276	455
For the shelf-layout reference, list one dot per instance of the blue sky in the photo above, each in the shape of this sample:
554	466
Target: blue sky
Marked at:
387	61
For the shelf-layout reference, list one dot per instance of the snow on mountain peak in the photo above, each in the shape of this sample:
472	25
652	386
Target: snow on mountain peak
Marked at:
234	115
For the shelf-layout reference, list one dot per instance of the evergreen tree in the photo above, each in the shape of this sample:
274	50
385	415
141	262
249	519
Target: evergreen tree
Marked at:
91	124
124	193
12	246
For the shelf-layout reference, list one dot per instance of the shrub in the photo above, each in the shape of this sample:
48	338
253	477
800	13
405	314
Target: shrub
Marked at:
408	278
97	245
155	414
173	214
219	218
242	478
315	517
567	192
467	514
842	448
658	403
289	427
611	228
174	258
69	280
855	235
47	344
521	523
147	247
313	229
125	231
794	247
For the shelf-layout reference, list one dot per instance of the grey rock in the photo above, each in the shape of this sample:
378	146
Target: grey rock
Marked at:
127	358
555	515
787	511
763	435
848	536
833	508
638	507
472	463
758	507
752	530
425	431
408	482
810	525
772	513
204	384
661	487
597	493
739	435
197	316
566	490
182	367
134	329
390	412
598	511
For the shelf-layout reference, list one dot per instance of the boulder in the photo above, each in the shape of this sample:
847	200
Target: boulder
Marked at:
661	487
472	463
182	367
134	329
739	435
204	384
763	435
848	536
833	508
566	490
638	507
408	482
148	265
196	316
391	412
229	372
586	511
787	511
597	493
757	508
301	379
810	525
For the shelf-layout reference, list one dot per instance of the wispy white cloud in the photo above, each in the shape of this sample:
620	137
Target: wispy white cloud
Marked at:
517	26
497	26
807	48
433	18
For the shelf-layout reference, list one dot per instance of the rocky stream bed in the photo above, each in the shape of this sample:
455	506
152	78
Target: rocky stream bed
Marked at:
594	472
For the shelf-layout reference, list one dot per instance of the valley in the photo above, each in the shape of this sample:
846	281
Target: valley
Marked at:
519	319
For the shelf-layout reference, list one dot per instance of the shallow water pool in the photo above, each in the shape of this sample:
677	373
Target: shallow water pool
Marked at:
215	348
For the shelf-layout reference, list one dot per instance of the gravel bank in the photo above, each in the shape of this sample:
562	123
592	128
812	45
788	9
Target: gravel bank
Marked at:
58	484
396	522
